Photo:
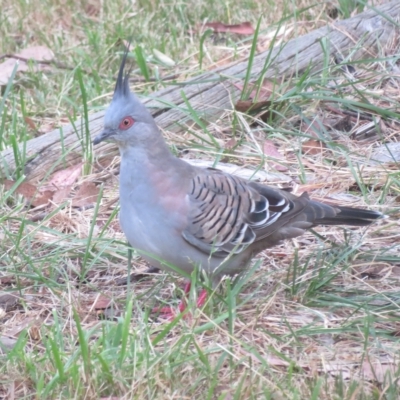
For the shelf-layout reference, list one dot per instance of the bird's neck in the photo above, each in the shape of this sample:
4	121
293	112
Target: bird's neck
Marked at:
140	163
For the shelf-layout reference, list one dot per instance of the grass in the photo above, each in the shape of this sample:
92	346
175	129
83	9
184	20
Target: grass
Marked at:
314	318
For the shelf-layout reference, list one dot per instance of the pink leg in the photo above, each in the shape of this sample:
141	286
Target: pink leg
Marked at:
202	298
169	312
186	290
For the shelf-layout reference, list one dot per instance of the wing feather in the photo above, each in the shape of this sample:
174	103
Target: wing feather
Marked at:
227	214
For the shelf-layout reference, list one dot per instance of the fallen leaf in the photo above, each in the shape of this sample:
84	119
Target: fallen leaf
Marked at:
377	371
269	149
231	143
93	8
102	303
62	194
37	53
245	28
6	280
34	332
262	92
86	195
25	189
312	147
30	192
66	177
30	123
258	99
7	68
248	106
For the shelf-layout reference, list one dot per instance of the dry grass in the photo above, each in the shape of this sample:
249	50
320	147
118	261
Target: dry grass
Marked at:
315	318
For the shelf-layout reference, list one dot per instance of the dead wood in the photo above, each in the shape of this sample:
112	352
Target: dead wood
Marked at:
212	92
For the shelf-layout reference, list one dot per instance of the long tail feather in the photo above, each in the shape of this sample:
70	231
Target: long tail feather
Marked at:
351	216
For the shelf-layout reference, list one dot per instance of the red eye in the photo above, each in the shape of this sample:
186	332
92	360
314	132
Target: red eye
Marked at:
126	123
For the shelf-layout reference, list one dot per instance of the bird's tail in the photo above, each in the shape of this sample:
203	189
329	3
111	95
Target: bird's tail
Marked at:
350	216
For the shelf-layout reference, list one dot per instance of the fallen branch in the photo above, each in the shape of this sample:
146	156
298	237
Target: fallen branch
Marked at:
209	94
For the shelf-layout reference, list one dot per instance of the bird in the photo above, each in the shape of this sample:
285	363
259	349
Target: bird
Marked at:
181	217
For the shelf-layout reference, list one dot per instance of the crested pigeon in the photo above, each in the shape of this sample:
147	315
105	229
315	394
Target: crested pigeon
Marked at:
177	214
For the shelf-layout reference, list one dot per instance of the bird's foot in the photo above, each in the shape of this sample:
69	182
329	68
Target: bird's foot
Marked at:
169	313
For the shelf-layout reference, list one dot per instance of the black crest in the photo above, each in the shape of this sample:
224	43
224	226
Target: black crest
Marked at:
122	85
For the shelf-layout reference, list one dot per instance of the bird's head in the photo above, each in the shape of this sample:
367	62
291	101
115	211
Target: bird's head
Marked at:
127	120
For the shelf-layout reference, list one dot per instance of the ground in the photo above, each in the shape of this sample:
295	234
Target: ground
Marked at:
314	318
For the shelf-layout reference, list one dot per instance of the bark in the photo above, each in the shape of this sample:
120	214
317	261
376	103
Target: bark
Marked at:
212	92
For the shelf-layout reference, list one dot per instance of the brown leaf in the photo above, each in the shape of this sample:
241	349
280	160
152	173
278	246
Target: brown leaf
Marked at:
7	67
42	199
245	28
259	99
248	106
92	8
263	92
102	303
37	53
376	371
30	192
34	332
312	147
66	177
26	189
6	280
62	194
231	143
86	195
269	149
30	123
259	92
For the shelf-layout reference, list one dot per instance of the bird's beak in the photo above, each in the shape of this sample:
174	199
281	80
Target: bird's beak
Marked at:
106	134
